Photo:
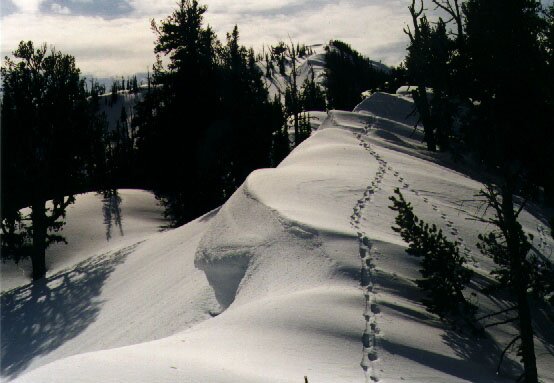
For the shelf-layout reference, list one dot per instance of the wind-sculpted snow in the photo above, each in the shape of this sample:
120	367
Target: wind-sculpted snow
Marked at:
278	216
304	276
392	107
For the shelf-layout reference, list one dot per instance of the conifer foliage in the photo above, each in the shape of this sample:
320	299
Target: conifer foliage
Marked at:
443	271
311	95
430	66
348	74
50	139
501	76
512	133
523	273
195	143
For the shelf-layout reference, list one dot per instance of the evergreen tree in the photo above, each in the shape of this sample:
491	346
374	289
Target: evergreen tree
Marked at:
417	63
548	47
442	107
194	139
438	63
135	84
521	272
304	126
311	94
511	132
268	66
292	98
443	271
278	54
348	74
49	148
243	87
114	90
177	111
280	145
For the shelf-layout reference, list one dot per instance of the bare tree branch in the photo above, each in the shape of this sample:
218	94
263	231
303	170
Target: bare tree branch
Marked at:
512	342
452	8
509	320
497	313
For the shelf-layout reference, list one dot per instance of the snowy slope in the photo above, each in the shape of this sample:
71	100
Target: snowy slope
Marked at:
283	260
277	84
315	62
112	107
127	293
94	225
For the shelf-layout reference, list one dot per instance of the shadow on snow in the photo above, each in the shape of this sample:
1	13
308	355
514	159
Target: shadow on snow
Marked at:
40	317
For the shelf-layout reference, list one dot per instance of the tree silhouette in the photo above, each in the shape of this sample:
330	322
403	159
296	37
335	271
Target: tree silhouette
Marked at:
50	141
510	130
193	137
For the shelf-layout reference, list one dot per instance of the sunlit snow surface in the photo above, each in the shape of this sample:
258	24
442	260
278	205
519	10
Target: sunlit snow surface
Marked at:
282	263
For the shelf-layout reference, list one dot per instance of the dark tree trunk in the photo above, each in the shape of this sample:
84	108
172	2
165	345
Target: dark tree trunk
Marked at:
40	227
295	103
296	131
422	104
520	282
527	342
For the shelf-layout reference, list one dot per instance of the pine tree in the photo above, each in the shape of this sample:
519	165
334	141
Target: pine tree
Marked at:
417	63
348	74
511	132
194	163
280	145
114	90
443	271
548	47
311	94
519	271
292	98
169	134
49	145
243	85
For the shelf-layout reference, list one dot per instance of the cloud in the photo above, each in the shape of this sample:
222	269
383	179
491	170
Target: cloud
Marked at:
57	8
101	46
367	25
27	6
7	7
107	9
114	37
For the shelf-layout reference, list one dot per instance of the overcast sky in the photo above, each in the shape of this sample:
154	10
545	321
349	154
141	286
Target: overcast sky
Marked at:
113	37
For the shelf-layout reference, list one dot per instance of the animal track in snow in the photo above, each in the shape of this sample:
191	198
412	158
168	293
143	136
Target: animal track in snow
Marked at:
369	352
448	222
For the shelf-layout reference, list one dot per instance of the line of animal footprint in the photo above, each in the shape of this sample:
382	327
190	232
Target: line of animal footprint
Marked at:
451	228
369	354
370	189
369	336
384	166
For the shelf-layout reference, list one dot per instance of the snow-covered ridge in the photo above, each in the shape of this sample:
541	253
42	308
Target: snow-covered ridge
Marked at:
277	83
303	275
314	61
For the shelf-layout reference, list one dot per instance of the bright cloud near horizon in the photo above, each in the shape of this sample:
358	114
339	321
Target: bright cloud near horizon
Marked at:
113	37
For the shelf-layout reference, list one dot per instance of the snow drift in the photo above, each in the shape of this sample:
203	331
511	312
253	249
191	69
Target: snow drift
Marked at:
301	276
